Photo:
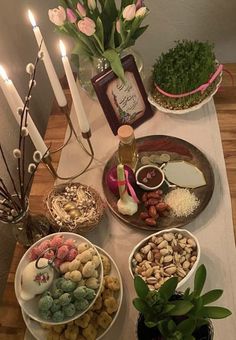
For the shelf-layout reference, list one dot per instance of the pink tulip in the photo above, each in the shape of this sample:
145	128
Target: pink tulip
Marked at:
57	15
118	26
81	10
129	12
139	4
141	12
87	26
92	4
71	15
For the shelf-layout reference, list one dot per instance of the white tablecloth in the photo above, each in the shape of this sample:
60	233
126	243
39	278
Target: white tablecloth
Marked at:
213	227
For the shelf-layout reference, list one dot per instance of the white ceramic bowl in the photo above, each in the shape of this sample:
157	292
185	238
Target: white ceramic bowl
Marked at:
184	232
40	333
31	307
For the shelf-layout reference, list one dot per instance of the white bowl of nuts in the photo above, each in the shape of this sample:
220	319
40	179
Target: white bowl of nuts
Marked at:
167	253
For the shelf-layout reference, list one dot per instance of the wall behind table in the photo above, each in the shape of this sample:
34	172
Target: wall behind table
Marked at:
171	20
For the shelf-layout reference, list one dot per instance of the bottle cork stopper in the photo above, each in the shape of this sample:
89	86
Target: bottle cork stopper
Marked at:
125	133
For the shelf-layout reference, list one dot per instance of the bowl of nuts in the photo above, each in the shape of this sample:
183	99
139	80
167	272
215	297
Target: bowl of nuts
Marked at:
167	253
74	207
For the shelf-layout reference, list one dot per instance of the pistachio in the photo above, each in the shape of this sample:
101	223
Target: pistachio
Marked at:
150	256
148	272
186	265
145	249
151	280
159	240
138	257
193	258
171	269
192	243
168	236
157	275
163	244
168	258
181	272
164	251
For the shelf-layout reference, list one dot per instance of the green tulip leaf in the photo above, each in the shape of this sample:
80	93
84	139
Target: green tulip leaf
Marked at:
99	31
111	43
115	62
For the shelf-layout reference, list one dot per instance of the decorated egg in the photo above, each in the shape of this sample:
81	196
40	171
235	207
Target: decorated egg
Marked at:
36	281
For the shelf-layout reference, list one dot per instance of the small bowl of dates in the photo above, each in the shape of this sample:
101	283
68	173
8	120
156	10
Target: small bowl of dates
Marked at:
167	253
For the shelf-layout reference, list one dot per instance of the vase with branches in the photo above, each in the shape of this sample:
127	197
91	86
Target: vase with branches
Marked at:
15	188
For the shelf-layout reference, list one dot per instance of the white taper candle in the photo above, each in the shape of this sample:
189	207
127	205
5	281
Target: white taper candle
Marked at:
55	83
15	102
79	109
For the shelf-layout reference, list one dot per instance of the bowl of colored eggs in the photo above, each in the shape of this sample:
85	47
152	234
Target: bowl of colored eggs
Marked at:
74	207
59	278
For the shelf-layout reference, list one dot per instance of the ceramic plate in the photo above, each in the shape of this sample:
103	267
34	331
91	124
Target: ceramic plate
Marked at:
41	334
178	149
31	306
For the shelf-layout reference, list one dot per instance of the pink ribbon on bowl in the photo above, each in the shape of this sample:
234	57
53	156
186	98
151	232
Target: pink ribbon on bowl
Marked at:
201	88
127	183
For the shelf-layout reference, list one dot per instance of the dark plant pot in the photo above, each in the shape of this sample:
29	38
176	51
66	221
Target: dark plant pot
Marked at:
206	332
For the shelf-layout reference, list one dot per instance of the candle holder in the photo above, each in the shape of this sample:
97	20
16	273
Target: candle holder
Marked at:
47	160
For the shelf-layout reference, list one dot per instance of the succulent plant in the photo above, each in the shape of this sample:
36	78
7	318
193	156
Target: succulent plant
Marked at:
177	316
183	69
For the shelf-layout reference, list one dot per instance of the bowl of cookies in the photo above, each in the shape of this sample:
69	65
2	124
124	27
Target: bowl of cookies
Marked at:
98	320
74	207
171	252
59	278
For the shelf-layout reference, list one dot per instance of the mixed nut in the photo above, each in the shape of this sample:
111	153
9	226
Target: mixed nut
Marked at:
155	207
164	256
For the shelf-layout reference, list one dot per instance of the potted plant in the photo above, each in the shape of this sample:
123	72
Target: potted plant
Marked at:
101	32
185	77
167	315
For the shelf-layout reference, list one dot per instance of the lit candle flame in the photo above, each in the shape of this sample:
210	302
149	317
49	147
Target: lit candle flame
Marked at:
62	48
3	74
31	18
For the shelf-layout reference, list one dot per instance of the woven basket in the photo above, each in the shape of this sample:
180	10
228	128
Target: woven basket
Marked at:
66	225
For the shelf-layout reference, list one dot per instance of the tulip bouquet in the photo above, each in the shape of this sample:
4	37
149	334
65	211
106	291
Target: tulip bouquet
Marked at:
99	28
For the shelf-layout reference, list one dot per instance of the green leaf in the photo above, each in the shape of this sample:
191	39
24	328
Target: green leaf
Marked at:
171	326
213	312
168	288
186	293
181	308
141	306
187	326
139	32
164	329
81	48
211	296
99	31
116	65
140	287
150	324
199	280
167	308
111	43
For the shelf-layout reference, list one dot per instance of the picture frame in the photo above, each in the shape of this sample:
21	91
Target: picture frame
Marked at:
123	103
